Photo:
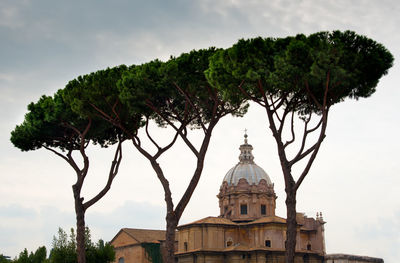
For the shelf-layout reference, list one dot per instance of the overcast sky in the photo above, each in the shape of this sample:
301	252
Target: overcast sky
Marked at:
354	182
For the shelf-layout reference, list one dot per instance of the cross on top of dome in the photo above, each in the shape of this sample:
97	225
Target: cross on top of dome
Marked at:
246	156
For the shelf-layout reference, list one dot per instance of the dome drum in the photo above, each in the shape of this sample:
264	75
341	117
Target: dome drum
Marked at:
243	186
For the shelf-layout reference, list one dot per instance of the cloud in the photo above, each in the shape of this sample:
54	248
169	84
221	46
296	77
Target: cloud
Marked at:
382	236
17	211
10	16
46	43
24	227
130	215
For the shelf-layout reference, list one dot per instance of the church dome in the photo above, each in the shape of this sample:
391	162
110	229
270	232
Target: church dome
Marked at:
246	168
246	193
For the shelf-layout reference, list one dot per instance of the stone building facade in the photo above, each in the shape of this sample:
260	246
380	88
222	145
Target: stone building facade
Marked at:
246	231
128	244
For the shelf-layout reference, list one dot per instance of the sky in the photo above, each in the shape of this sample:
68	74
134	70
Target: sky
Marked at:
354	181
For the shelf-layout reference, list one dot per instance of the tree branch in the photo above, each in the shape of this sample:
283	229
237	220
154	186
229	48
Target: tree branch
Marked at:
253	98
312	96
324	119
57	153
281	150
282	120
162	150
197	173
160	175
148	134
303	142
111	175
83	152
292	132
190	101
315	150
72	162
178	130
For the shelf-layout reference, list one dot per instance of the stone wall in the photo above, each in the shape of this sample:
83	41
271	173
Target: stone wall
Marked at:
132	253
245	257
344	258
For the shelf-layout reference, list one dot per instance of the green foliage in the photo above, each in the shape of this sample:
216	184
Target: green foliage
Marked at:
176	89
96	95
4	259
140	84
51	123
64	249
187	73
100	85
100	253
127	97
153	252
248	60
300	67
43	126
38	257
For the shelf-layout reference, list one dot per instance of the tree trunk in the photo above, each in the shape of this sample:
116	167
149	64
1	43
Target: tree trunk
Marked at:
291	224
80	227
172	223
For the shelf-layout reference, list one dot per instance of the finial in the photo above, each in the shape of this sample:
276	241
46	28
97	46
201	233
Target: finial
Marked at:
245	151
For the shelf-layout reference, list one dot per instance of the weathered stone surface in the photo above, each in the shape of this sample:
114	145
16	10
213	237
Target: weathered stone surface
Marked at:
345	258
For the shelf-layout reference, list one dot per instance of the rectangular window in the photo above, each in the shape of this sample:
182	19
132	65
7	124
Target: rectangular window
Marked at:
263	209
268	243
243	209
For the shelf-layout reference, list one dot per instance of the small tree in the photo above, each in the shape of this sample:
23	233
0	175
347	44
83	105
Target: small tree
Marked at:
299	77
174	94
24	257
51	124
4	259
64	249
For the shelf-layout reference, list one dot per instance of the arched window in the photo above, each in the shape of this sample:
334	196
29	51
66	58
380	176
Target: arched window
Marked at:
121	260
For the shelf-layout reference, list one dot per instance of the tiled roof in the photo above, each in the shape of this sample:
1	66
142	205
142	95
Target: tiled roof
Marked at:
145	235
268	219
224	221
212	221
